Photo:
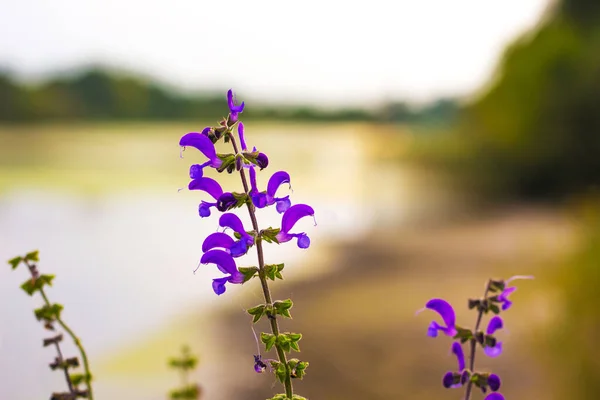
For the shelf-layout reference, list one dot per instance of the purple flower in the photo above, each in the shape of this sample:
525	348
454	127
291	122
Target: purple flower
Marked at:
456	379
494	324
201	142
262	160
226	264
207	185
503	297
259	365
493	382
226	201
494	396
240	247
290	217
233	108
264	199
446	311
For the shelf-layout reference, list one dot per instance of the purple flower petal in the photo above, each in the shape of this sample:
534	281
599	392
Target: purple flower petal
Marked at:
283	204
494	382
460	356
239	248
217	239
201	142
226	201
223	260
494	396
448	380
445	310
293	214
208	185
232	221
254	187
241	134
276	180
204	208
303	241
433	328
218	285
262	160
494	324
196	171
493	351
231	103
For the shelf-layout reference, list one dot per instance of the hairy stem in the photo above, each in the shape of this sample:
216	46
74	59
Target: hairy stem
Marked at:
263	278
474	343
86	365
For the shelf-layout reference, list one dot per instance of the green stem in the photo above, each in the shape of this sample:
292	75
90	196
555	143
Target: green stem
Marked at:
86	365
263	279
474	343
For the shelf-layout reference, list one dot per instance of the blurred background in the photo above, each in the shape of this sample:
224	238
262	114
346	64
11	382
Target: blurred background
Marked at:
440	143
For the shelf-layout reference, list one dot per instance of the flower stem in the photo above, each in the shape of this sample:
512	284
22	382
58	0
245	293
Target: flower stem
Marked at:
86	365
474	343
263	278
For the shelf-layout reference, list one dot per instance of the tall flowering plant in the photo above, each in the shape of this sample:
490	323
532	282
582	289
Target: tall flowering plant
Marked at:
222	250
495	300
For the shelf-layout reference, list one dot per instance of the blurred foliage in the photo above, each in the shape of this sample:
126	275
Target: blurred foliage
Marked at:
185	363
573	345
100	94
535	132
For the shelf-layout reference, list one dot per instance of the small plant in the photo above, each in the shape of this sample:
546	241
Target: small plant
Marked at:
50	314
185	364
221	249
494	300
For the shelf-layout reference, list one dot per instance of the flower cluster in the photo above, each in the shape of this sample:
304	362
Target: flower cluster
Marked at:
222	249
494	300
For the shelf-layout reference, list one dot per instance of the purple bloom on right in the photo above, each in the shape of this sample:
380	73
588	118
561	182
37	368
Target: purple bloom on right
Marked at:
234	109
290	217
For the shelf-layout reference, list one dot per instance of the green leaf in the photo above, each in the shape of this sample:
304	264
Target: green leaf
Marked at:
270	235
273	271
256	312
268	339
494	308
32	285
281	372
15	261
33	256
280	396
48	313
297	368
248	272
283	307
463	334
78	379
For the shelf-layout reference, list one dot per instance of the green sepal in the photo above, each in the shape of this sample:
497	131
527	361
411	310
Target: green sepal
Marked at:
227	162
296	397
32	285
238	236
283	307
281	372
489	341
257	312
289	341
463	334
268	339
248	272
273	271
15	261
270	235
78	379
496	286
494	308
33	256
242	198
297	368
48	313
474	303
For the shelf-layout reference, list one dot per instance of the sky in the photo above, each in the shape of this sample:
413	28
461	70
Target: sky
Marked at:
327	52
